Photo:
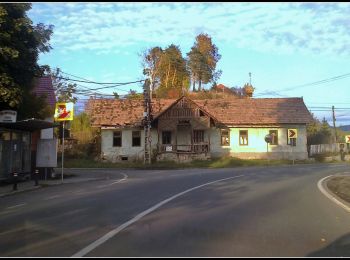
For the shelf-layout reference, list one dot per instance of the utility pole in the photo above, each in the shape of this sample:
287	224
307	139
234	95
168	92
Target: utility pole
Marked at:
147	119
335	130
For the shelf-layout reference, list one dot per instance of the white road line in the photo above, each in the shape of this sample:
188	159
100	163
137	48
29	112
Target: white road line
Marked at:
53	197
106	185
115	231
16	206
328	195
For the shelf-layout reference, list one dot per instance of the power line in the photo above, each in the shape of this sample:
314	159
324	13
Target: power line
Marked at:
306	85
100	83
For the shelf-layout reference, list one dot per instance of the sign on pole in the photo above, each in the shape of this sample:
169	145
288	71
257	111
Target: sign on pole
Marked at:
63	112
347	139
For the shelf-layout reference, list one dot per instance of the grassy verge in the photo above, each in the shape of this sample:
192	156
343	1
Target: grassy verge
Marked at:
214	163
340	186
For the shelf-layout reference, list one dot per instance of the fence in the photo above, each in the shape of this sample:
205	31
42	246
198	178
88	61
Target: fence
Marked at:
327	148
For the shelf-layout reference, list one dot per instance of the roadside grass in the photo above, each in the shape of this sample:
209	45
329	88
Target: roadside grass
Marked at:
227	162
340	186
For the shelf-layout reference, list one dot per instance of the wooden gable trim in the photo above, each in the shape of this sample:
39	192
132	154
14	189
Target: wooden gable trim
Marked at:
190	101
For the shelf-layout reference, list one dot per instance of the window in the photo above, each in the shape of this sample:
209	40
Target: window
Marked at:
292	141
136	138
274	134
117	139
166	137
198	136
243	137
225	137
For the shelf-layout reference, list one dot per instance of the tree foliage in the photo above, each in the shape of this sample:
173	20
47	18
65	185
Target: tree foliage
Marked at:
168	71
21	42
64	90
318	132
202	60
171	73
81	129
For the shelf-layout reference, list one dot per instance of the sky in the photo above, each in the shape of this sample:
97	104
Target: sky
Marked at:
285	46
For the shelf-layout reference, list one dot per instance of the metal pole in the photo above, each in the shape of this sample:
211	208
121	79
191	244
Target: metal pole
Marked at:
62	149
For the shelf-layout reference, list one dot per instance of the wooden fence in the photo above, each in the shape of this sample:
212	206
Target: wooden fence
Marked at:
327	148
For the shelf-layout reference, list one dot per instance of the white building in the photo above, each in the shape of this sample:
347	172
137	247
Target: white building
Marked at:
186	129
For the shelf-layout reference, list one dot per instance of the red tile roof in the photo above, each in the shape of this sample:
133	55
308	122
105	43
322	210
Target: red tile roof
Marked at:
43	87
244	111
258	111
121	112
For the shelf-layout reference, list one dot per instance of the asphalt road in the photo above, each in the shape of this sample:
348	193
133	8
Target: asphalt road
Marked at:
253	211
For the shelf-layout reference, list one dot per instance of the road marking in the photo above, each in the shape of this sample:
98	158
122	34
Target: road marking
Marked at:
117	230
329	196
53	197
16	206
106	185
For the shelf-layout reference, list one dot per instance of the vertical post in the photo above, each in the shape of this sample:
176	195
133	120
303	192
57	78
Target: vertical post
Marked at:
15	180
335	130
36	177
267	152
62	148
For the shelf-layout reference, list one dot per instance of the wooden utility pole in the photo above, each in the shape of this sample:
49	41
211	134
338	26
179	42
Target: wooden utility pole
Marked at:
335	130
147	120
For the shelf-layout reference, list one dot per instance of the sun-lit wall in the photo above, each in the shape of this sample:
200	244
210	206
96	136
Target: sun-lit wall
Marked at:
257	147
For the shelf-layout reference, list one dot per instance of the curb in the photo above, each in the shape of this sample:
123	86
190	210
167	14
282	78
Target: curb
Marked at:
330	195
43	185
19	191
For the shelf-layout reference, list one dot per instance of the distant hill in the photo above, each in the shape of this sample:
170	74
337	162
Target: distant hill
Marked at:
345	127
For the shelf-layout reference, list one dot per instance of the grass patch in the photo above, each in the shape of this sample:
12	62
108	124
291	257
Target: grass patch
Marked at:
340	186
227	162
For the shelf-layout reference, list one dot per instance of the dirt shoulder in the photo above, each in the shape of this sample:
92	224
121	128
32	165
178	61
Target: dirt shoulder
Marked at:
340	186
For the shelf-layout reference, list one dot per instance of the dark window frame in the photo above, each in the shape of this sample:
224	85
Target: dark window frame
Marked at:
166	137
136	138
117	138
243	135
198	136
227	140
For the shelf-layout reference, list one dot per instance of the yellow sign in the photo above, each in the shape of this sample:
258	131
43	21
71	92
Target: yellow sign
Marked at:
64	111
347	139
292	133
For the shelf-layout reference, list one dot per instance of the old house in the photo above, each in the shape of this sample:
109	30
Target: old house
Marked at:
187	129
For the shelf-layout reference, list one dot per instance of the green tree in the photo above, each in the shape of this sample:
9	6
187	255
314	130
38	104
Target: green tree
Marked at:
21	42
116	95
173	73
202	60
64	90
151	64
318	132
81	128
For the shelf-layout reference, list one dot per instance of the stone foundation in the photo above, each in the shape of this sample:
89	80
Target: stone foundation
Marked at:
182	157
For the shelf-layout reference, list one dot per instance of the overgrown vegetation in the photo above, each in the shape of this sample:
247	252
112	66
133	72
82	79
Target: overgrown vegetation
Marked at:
214	163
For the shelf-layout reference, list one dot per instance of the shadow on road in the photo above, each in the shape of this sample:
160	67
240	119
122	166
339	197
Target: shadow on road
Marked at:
339	248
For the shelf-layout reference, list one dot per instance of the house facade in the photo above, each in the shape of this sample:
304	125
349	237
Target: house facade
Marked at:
186	129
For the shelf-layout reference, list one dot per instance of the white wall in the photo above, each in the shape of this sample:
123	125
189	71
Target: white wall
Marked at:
47	133
257	147
114	154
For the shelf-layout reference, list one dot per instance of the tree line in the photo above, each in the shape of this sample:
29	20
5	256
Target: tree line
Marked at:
172	74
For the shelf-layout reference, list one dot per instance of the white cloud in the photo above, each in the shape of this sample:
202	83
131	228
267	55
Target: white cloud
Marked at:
318	28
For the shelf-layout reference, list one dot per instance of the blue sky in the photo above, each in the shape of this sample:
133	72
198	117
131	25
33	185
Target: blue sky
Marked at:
283	45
